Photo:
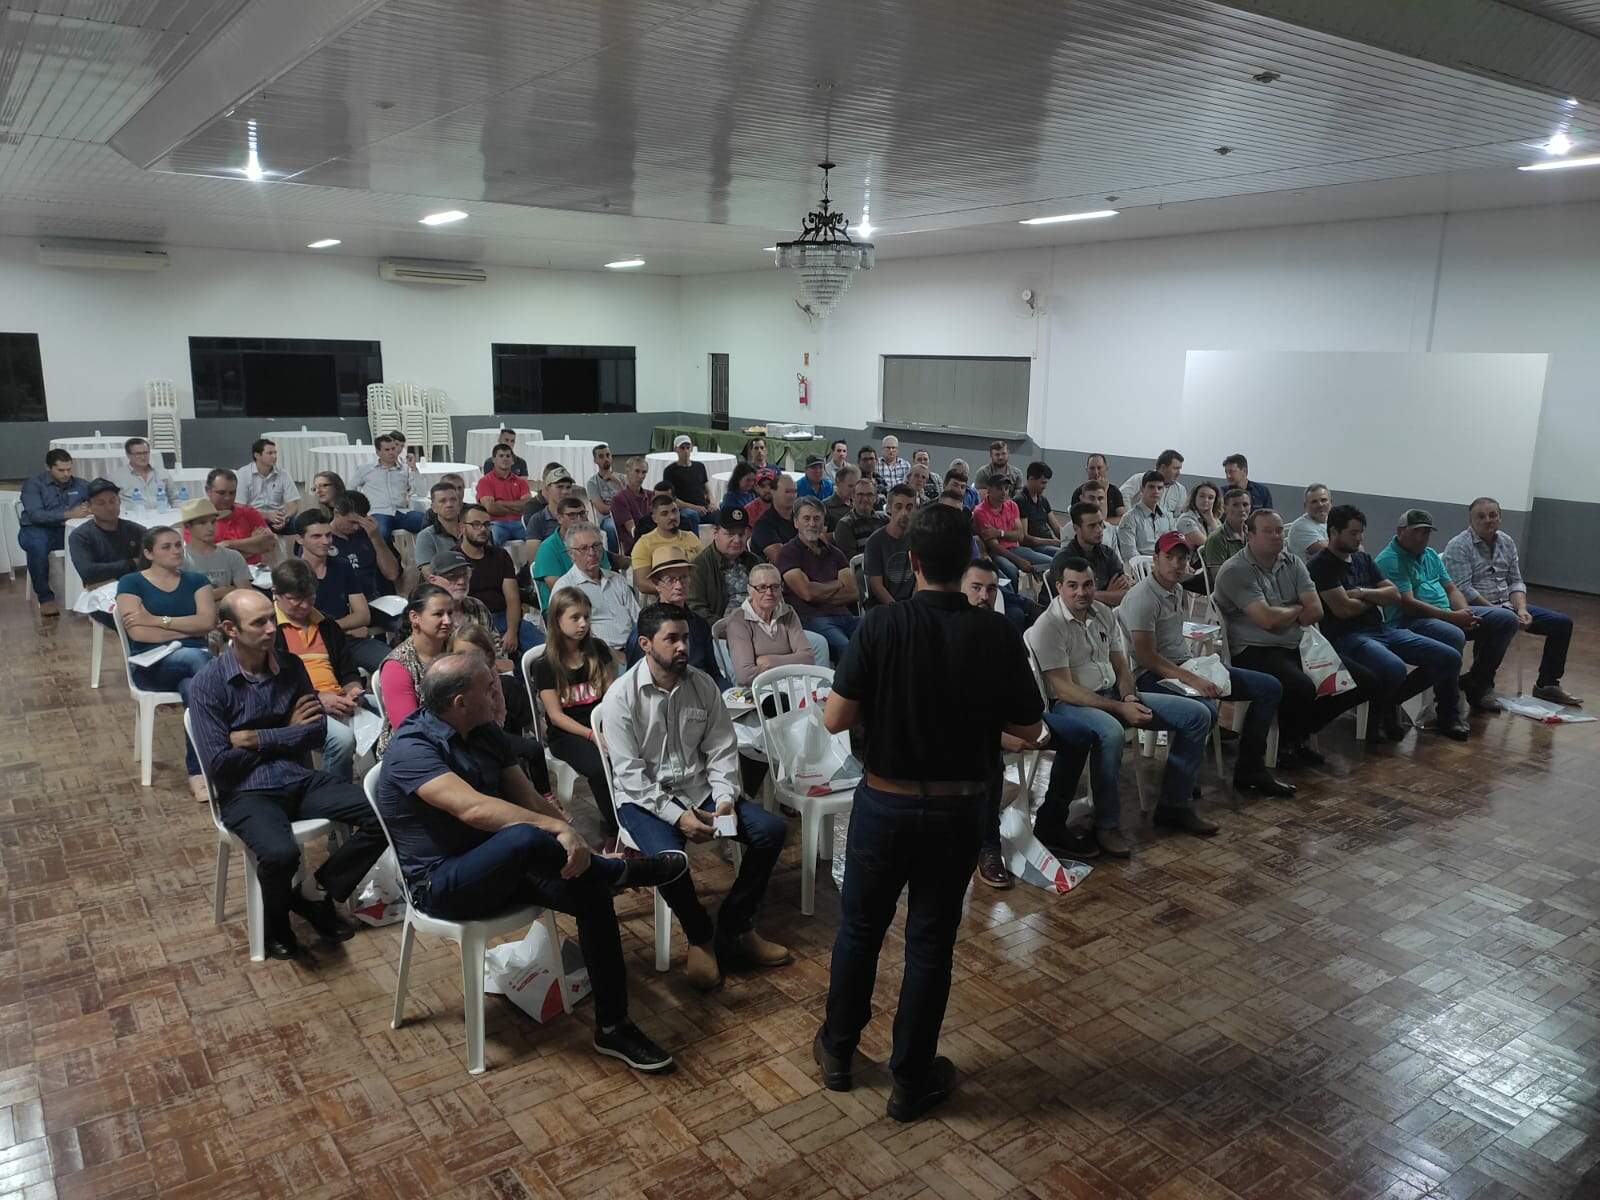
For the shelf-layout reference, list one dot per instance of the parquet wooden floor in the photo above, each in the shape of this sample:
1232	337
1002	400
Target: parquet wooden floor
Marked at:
1385	987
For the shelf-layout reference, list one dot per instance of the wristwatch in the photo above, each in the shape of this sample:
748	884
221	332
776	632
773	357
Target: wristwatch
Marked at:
166	622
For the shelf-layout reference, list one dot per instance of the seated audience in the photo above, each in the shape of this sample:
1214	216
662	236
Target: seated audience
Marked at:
1174	495
49	500
105	547
571	678
776	527
1145	521
1228	538
755	452
857	524
886	559
513	711
766	483
689	483
1433	605
358	540
892	469
981	585
267	488
814	483
958	470
164	603
818	581
999	523
669	571
144	480
1202	516
1237	469
472	837
327	655
719	576
430	615
1088	542
540	518
601	488
1042	527
337	594
1079	648
631	504
1153	613
443	530
239	527
613	607
1354	593
552	561
741	487
326	487
838	456
920	480
867	464
675	767
1266	597
223	567
1307	535
837	506
256	721
665	512
1094	471
1483	562
388	484
999	464
492	580
504	493
507	437
765	632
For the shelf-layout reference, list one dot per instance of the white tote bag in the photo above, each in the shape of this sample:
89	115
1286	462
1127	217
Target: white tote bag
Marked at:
1320	661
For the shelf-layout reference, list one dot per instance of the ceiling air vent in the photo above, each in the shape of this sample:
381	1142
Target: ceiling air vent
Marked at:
103	256
409	270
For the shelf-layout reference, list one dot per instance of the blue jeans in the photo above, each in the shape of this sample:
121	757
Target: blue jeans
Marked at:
1385	653
528	635
1490	640
510	529
1263	693
689	519
608	526
172	674
412	522
521	864
37	542
1556	630
836	629
1038	558
927	847
339	747
762	834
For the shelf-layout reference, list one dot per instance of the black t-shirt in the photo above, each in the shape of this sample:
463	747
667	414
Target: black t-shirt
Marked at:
1036	513
688	481
1328	570
772	530
936	644
487	576
1114	501
334	588
581	698
358	553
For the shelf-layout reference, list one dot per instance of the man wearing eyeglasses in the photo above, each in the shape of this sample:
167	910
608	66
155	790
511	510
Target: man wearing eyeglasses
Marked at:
614	608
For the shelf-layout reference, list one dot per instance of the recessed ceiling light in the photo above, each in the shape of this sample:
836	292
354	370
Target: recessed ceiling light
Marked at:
443	218
322	244
623	264
769	249
1572	102
1558	144
1592	160
1096	215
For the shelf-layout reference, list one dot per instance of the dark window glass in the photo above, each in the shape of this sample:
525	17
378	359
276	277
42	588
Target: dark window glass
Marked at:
282	377
563	379
21	378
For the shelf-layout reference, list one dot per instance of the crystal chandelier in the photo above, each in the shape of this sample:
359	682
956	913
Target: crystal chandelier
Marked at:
824	255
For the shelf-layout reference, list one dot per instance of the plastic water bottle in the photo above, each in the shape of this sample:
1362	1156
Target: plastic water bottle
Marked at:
183	493
161	494
136	494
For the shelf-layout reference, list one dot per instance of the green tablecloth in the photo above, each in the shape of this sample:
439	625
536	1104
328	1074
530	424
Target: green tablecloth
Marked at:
731	441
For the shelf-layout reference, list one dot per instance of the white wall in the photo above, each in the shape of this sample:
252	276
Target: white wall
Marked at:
103	333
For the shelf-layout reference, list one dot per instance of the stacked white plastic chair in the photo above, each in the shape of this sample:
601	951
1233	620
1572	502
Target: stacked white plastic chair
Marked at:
441	436
163	430
413	414
383	413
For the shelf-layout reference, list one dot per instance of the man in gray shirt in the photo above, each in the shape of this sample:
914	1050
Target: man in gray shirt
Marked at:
1266	597
1307	534
222	565
886	563
1145	520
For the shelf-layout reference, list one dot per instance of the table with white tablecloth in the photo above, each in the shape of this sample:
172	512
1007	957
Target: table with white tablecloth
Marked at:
718	485
12	559
656	464
190	479
481	441
344	461
576	455
431	472
92	457
295	446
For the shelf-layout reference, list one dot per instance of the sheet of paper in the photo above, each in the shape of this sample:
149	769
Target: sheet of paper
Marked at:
727	825
367	726
391	606
150	658
261	577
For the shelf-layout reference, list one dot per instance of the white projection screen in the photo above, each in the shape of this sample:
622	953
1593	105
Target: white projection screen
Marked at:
1445	427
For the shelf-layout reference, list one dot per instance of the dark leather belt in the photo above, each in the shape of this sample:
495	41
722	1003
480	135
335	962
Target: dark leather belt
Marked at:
928	787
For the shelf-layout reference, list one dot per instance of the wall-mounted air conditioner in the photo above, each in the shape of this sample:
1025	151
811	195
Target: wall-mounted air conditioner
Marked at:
103	256
410	270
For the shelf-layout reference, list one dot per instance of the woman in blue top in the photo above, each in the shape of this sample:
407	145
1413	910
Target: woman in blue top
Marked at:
741	489
162	604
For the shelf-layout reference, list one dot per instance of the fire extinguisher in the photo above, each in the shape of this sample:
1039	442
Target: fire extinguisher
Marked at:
805	391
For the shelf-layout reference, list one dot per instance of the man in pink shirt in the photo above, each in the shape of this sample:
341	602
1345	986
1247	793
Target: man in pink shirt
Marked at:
503	493
1001	528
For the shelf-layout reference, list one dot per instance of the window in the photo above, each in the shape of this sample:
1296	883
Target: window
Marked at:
989	395
562	379
273	378
21	378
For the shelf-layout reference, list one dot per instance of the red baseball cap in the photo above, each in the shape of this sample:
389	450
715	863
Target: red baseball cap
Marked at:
1170	540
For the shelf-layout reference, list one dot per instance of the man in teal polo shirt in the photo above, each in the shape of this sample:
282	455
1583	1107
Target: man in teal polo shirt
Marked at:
1432	605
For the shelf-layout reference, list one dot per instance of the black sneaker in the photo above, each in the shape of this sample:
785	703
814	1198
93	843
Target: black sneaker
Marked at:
323	917
628	1042
1065	843
836	1072
907	1103
652	870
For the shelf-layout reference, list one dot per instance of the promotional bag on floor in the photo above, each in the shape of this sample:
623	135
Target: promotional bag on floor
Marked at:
520	971
380	900
1319	660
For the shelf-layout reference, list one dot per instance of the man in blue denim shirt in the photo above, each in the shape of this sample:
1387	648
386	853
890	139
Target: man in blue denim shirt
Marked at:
49	500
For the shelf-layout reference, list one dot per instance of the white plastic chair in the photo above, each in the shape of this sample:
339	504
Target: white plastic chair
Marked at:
255	919
799	685
97	651
413	414
473	939
1128	735
383	414
144	729
163	429
663	913
441	433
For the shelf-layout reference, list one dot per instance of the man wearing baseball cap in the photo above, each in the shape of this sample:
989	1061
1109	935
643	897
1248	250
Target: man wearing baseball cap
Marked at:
719	576
815	482
688	481
557	487
106	547
1431	604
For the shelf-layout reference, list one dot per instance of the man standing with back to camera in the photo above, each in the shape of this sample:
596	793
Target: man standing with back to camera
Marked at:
916	822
